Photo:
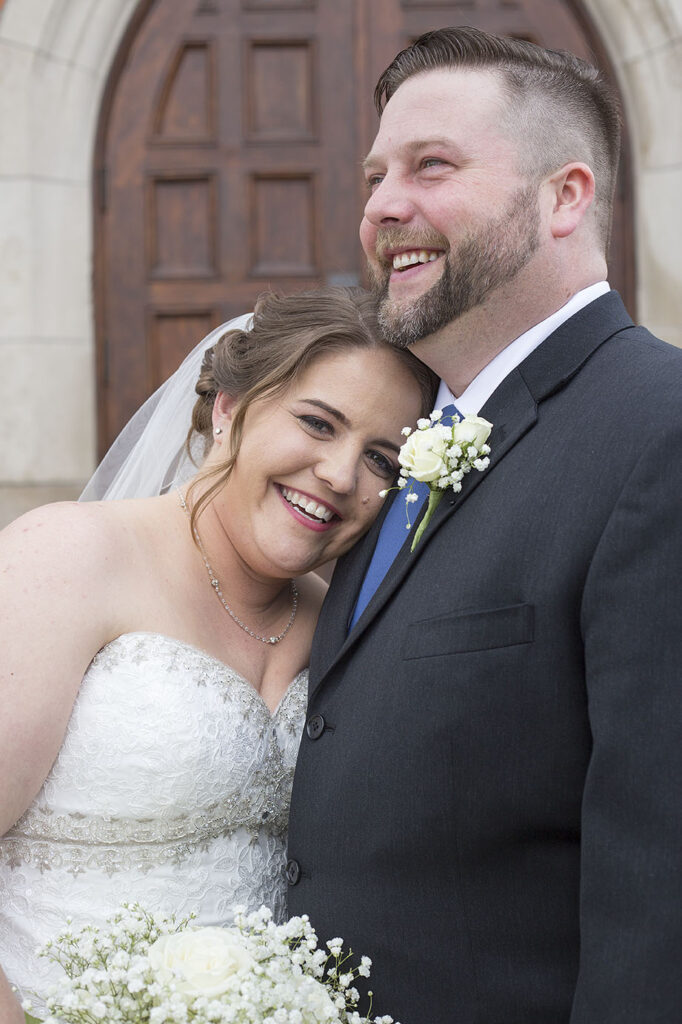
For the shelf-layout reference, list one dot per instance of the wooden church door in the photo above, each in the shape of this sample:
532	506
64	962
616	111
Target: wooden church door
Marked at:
228	161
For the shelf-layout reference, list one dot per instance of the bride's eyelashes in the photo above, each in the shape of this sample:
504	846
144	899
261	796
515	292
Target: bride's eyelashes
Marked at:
381	464
378	463
316	425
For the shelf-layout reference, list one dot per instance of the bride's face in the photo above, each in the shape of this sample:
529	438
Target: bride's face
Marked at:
312	461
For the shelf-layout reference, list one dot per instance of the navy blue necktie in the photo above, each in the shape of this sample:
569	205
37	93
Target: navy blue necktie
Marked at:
391	538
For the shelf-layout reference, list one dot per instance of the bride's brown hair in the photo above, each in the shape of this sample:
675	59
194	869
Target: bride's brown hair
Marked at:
288	333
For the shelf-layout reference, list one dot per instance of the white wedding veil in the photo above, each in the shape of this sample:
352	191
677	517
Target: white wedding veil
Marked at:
149	457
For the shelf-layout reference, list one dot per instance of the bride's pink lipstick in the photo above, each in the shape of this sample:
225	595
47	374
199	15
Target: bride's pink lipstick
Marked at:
318	526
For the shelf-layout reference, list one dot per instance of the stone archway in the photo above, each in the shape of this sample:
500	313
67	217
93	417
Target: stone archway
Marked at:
644	43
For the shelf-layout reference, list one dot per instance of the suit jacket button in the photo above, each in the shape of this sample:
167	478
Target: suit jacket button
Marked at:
315	727
293	872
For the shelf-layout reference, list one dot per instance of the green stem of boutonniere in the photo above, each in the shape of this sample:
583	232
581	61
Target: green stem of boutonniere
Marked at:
434	501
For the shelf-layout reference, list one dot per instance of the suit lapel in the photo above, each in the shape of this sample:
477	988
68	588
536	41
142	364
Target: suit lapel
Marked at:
512	409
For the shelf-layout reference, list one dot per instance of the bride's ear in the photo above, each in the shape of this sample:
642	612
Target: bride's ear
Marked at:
223	410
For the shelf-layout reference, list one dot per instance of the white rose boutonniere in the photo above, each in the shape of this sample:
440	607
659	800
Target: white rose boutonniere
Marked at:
472	430
440	456
422	455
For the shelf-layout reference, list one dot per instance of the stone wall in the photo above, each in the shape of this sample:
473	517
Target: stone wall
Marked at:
54	59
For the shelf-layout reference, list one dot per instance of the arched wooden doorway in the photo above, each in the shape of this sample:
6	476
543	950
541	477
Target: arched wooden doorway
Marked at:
228	158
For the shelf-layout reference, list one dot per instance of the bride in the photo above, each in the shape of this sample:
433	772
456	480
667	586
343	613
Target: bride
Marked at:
154	650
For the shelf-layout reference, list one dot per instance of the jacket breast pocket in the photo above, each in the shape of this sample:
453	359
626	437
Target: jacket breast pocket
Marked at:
469	631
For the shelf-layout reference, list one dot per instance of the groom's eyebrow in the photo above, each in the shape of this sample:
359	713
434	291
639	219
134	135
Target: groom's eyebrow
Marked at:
337	414
409	149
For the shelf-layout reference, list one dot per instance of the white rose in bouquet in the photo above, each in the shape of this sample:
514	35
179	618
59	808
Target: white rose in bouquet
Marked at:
422	454
201	962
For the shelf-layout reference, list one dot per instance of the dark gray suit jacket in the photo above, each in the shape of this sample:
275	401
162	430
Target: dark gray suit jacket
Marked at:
493	809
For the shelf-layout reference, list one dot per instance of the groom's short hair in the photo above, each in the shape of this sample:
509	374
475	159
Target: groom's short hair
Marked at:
560	108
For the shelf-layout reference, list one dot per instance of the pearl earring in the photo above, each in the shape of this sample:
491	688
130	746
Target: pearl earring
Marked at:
218	430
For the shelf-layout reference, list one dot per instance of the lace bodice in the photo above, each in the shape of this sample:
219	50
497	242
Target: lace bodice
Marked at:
172	788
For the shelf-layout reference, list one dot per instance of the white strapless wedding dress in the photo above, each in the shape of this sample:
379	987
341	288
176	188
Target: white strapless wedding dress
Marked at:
172	788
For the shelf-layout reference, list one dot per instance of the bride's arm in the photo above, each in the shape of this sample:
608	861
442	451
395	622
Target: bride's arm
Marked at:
10	1011
53	619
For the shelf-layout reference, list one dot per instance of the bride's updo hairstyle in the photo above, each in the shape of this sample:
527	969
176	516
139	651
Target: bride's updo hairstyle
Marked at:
289	333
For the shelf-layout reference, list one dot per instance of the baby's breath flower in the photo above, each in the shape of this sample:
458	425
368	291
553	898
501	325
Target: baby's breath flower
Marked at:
406	431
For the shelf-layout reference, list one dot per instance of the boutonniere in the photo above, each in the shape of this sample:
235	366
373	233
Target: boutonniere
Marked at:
440	456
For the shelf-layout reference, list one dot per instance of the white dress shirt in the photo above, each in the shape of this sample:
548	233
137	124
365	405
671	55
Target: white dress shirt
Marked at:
472	400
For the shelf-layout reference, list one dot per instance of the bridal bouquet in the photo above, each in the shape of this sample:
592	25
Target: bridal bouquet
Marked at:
147	967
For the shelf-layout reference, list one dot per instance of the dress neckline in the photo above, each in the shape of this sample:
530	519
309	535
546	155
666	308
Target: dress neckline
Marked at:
199	652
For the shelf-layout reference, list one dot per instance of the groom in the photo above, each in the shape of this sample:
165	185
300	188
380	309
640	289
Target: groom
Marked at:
488	800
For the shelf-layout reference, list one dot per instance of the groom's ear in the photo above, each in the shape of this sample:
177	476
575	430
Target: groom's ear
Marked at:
223	411
572	193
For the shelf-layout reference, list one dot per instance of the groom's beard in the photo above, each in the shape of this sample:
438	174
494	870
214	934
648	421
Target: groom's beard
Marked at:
482	262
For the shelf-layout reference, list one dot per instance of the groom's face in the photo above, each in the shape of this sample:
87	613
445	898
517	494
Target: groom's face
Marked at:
449	218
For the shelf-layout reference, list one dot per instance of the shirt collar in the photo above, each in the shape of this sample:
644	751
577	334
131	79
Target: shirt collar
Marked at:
491	376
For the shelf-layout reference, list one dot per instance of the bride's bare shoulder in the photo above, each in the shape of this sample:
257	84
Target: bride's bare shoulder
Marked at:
83	537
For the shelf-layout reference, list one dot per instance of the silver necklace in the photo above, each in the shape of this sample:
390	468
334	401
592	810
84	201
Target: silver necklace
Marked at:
215	583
